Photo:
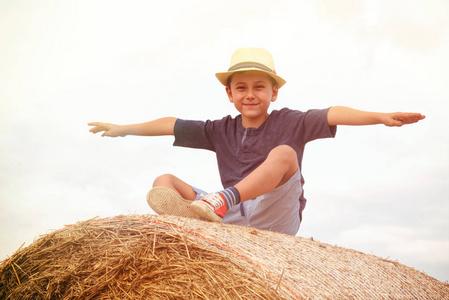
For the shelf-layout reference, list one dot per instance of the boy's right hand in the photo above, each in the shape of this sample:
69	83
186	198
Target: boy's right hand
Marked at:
110	130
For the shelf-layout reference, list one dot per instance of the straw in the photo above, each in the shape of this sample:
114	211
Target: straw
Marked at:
169	257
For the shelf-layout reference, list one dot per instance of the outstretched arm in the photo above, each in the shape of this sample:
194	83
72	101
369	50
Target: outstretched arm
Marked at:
163	126
340	115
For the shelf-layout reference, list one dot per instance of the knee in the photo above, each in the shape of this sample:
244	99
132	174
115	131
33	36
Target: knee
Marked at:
163	180
284	153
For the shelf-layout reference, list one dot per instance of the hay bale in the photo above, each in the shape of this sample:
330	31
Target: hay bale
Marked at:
167	257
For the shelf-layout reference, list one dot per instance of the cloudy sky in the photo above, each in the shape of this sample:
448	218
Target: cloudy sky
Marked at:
382	191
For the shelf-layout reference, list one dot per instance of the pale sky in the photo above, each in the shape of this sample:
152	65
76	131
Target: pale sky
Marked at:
379	190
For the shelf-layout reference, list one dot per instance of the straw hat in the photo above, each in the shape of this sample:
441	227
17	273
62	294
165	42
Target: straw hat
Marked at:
250	59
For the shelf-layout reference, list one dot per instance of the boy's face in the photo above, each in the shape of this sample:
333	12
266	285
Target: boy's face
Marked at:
252	92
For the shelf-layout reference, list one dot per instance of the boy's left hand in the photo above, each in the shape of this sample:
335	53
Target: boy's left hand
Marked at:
399	118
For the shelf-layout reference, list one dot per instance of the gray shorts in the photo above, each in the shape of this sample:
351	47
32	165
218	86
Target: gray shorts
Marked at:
277	210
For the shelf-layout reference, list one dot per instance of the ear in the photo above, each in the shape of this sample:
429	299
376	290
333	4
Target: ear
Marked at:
274	94
229	93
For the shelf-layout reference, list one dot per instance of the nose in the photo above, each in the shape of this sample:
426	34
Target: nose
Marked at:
250	95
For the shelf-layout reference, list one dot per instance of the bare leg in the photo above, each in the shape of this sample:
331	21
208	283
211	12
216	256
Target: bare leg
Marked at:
174	183
280	165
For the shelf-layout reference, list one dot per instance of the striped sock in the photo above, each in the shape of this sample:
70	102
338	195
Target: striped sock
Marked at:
231	195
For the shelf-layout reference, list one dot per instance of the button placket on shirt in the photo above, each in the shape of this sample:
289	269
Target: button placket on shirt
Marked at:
246	145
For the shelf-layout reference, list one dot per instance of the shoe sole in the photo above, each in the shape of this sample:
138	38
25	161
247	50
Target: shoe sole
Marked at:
165	201
204	211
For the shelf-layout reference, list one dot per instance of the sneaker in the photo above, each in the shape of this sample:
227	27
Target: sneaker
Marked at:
165	201
211	207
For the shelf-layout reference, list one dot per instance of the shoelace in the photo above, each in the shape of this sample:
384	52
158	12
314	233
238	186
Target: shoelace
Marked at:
214	199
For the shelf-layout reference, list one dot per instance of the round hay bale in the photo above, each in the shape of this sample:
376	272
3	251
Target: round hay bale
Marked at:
167	257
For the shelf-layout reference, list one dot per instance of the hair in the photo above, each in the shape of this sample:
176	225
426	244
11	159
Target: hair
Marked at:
228	83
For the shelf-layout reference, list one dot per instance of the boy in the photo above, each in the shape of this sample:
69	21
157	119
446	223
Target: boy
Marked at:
259	153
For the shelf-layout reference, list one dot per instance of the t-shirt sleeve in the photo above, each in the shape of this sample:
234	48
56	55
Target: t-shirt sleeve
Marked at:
315	125
192	134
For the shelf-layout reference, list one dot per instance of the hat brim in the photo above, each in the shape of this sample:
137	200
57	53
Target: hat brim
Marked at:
223	76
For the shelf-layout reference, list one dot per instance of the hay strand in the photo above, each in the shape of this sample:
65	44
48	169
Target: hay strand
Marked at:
280	279
15	273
